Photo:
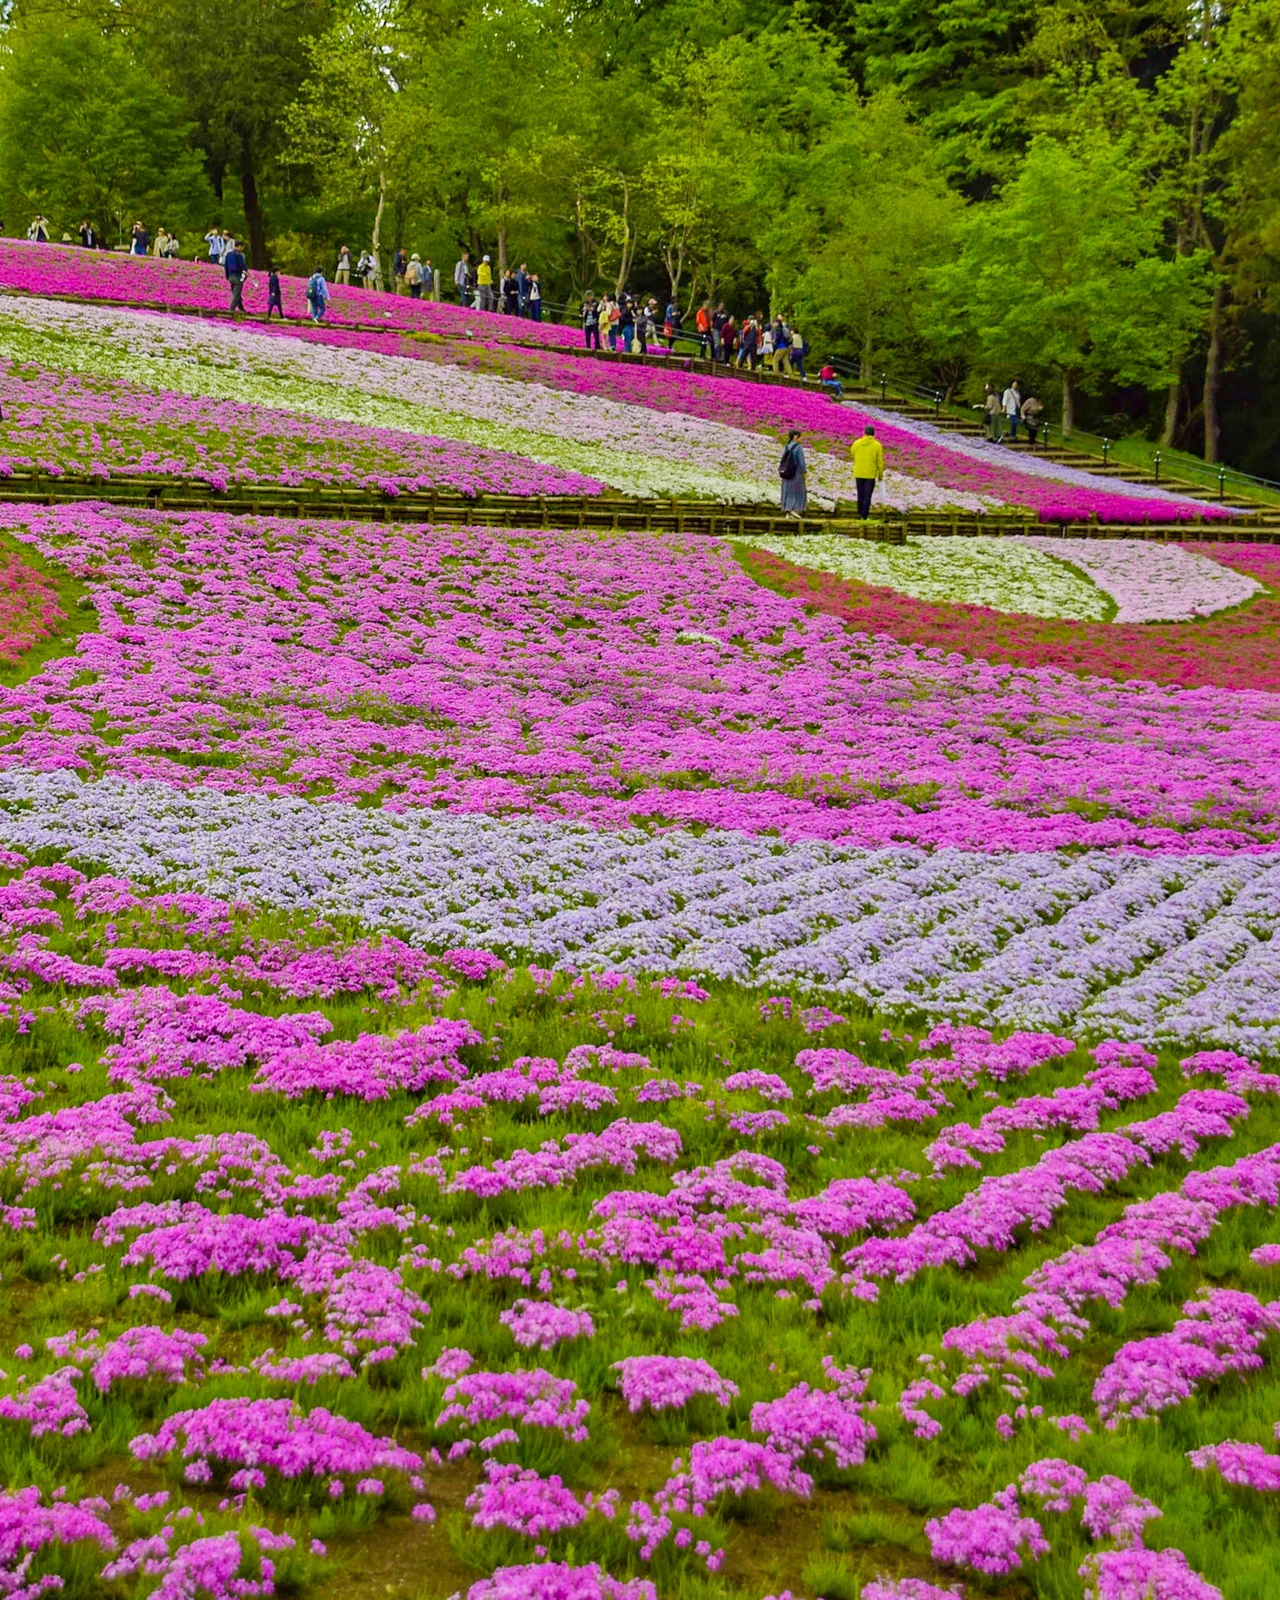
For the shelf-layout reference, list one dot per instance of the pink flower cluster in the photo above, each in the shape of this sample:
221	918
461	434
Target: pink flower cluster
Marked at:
666	1383
532	1399
539	1325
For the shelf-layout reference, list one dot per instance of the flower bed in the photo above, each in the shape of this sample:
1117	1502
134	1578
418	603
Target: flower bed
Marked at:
763	1253
30	609
704	690
1241	651
952	461
51	269
355	382
1153	582
1001	574
59	422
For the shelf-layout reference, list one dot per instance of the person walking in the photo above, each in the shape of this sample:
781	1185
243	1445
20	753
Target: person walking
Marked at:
462	277
535	298
799	350
317	295
88	236
1012	403
216	243
591	322
1032	412
274	302
868	468
626	324
38	232
671	323
781	347
342	274
484	283
236	268
728	340
791	470
718	319
703	324
766	347
139	240
749	344
991	414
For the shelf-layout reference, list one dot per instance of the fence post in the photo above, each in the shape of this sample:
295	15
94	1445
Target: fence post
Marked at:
1222	483
937	404
1106	450
884	386
1155	463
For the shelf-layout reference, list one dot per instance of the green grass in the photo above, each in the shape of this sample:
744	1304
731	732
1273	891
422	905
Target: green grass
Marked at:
859	1522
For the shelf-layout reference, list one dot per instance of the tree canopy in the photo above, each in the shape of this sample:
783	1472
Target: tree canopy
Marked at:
1086	194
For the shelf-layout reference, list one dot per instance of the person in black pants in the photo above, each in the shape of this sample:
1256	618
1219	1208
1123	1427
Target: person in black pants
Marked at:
591	322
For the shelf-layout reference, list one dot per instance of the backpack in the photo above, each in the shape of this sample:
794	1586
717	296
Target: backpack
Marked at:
787	466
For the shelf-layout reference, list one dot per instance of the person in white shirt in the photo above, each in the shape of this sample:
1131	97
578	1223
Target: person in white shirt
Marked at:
217	244
1012	403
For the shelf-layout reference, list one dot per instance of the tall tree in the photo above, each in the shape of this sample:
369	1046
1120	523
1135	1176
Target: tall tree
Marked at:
236	72
1065	274
85	133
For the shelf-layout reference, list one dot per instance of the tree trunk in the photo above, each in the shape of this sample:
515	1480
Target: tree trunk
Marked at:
628	247
1068	404
1213	373
1172	414
502	249
375	245
253	212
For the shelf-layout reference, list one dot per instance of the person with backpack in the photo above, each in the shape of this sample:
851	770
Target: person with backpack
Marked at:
791	470
317	295
413	276
868	468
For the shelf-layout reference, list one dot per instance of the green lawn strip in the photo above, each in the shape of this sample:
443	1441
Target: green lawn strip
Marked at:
73	598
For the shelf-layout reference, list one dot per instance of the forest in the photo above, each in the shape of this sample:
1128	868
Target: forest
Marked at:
1084	193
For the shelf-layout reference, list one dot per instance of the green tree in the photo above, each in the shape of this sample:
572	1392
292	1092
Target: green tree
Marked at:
1065	274
236	72
84	133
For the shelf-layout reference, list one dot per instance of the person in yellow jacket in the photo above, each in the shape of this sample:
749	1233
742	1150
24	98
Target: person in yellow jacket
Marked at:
484	285
868	468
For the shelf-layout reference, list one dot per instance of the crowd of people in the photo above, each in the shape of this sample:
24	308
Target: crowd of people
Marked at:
620	322
1007	410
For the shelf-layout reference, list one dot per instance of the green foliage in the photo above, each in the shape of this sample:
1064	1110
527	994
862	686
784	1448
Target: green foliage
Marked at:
1065	274
85	132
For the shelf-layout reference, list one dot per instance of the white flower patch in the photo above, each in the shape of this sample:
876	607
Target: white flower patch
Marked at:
1152	582
982	570
630	447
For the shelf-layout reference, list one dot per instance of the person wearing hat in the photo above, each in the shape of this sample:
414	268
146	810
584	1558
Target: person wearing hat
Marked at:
484	285
413	276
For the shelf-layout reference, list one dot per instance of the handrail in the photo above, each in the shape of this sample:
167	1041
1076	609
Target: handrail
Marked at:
1218	475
